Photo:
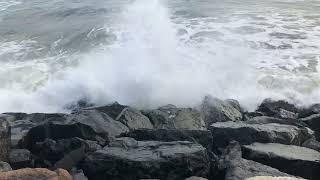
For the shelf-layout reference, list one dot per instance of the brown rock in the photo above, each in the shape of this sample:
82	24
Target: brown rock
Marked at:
36	174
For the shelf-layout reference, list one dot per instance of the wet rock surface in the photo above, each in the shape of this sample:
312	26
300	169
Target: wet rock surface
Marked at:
244	133
172	117
127	158
119	142
299	161
216	110
233	167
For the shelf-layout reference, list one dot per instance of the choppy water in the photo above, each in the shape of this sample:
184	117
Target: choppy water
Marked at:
153	52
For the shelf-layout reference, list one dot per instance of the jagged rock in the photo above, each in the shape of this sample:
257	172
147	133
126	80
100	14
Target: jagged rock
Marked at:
66	151
273	178
4	167
312	143
20	158
244	133
313	109
5	135
196	178
88	125
233	167
129	159
216	110
128	116
295	160
202	137
280	109
36	174
21	123
268	120
314	123
171	117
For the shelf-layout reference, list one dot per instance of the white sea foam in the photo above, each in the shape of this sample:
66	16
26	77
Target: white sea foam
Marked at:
151	64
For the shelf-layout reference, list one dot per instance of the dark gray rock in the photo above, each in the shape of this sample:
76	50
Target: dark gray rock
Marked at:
279	109
78	175
20	158
4	167
314	123
88	125
5	135
129	159
245	133
308	111
216	110
269	120
128	116
67	151
171	117
312	143
202	137
71	159
295	160
233	167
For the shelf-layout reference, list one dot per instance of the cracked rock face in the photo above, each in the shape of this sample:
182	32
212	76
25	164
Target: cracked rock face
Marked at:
299	161
129	159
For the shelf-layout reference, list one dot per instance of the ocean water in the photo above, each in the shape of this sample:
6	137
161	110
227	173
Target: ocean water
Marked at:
147	53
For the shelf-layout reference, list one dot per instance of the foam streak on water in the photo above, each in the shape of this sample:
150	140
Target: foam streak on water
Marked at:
157	55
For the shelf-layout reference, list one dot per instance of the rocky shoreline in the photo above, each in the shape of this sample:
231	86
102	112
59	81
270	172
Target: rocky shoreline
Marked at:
218	140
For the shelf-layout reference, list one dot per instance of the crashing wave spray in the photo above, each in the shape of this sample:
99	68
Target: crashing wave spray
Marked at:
147	66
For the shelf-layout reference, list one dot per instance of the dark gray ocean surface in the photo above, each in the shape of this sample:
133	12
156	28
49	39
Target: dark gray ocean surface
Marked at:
147	53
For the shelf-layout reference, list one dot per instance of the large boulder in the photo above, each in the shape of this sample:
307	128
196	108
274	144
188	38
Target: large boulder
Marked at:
128	116
314	123
129	159
202	137
280	109
295	160
5	135
36	174
245	133
216	110
4	167
171	117
233	167
20	158
60	152
87	124
21	123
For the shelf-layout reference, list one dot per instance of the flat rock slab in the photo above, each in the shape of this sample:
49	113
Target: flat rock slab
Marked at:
129	159
295	160
233	167
224	132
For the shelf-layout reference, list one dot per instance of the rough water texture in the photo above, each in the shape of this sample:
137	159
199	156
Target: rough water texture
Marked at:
148	53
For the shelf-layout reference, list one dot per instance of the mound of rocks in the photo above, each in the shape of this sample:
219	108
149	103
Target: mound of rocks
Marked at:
216	140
